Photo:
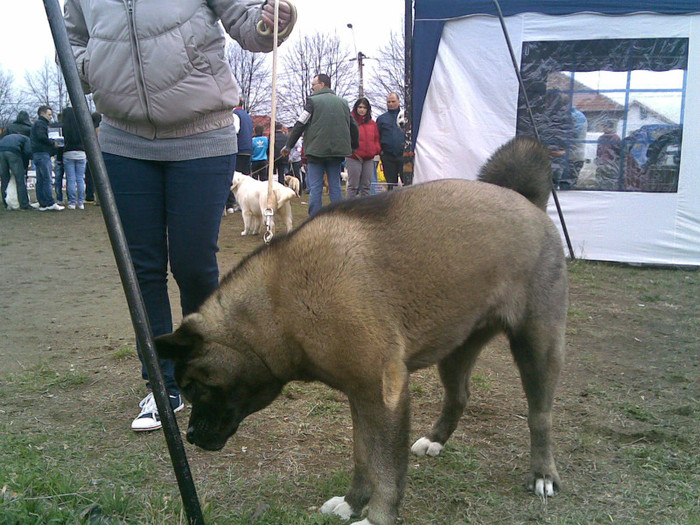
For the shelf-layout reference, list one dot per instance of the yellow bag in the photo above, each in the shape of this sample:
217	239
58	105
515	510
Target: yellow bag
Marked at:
380	172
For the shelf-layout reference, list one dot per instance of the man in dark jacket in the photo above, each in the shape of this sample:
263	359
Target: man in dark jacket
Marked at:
330	135
15	152
392	138
22	125
42	149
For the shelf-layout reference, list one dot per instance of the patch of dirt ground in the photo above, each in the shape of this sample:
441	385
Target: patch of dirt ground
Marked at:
630	383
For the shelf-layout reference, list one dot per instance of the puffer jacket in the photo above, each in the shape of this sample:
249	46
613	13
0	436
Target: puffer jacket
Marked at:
156	68
369	138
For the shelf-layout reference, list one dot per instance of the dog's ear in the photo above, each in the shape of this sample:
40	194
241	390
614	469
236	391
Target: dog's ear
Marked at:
178	346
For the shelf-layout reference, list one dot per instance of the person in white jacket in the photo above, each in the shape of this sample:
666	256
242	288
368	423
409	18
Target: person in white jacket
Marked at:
157	73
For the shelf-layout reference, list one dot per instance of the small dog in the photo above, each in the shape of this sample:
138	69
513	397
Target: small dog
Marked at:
11	194
251	196
293	183
401	120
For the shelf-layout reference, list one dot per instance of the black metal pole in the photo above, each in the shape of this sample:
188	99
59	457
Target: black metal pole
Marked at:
125	266
534	126
408	153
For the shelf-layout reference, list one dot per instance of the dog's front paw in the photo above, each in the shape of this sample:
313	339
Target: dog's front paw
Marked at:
363	522
424	447
337	506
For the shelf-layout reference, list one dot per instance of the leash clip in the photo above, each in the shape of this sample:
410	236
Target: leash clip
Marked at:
267	236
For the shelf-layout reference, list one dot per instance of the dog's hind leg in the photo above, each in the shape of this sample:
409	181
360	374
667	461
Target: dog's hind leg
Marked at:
538	350
455	373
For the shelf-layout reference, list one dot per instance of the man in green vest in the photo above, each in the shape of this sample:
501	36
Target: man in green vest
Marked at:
330	135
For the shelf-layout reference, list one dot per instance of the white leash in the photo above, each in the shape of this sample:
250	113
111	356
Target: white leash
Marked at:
271	197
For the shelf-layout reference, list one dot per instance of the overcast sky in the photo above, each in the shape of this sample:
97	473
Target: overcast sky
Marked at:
25	37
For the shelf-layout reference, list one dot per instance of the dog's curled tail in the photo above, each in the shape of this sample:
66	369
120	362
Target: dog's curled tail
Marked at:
521	164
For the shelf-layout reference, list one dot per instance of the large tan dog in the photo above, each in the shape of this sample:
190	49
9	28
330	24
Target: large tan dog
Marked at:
251	196
374	289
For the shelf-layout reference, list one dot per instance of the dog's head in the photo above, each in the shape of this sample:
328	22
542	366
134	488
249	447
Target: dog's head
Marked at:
401	119
238	179
223	384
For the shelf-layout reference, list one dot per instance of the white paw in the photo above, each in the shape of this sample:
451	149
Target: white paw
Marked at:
338	507
363	522
424	447
544	488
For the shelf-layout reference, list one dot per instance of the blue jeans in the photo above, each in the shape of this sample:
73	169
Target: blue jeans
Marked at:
75	176
314	171
44	193
58	172
171	211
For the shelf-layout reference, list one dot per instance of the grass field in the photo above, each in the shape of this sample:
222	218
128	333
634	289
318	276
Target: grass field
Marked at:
626	418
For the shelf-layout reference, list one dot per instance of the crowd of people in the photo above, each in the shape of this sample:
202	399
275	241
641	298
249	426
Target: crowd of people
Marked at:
55	149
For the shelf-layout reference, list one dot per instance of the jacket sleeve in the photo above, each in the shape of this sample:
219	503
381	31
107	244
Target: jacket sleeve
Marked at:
240	19
354	134
26	151
300	124
78	37
377	147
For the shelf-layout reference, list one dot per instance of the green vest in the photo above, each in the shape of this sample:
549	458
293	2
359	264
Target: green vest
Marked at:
328	132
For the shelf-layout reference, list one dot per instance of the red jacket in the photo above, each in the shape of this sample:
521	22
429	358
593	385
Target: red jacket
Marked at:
369	138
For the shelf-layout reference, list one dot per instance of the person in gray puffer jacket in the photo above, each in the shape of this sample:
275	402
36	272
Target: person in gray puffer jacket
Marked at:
157	73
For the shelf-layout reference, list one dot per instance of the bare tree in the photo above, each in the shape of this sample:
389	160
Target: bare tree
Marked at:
253	75
388	75
46	86
8	101
310	56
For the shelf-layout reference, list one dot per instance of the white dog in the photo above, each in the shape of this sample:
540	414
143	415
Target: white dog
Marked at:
292	182
11	194
251	196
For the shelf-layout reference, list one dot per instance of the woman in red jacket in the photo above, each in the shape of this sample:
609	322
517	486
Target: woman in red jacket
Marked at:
360	164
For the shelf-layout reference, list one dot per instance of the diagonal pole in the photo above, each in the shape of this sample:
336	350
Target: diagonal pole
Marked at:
127	273
534	126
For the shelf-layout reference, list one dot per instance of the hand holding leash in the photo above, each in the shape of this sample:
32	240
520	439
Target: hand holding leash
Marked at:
287	18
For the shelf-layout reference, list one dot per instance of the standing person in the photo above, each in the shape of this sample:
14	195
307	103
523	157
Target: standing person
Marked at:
58	171
360	164
74	161
42	150
295	161
330	134
577	150
22	125
259	158
167	95
89	182
607	173
281	160
15	152
392	138
244	137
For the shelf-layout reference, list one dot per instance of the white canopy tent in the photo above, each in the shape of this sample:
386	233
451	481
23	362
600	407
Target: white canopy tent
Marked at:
466	104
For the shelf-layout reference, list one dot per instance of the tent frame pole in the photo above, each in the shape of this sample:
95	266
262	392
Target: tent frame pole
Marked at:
125	266
534	126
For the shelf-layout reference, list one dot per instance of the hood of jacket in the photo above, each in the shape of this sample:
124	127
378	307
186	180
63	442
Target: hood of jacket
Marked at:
23	118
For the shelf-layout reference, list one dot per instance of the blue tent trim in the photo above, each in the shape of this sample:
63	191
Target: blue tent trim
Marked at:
431	15
446	9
